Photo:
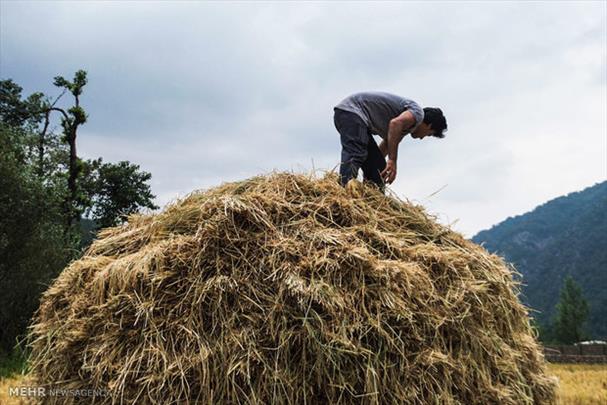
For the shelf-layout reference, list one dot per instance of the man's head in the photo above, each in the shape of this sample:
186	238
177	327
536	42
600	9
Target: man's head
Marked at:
434	124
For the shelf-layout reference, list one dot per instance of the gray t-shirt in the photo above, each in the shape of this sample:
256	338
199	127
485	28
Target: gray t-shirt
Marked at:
377	108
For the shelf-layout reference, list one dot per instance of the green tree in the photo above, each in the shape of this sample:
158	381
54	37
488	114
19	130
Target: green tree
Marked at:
116	191
70	121
572	313
44	189
14	110
32	248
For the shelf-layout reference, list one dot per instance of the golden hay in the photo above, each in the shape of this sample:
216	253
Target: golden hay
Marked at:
581	384
288	289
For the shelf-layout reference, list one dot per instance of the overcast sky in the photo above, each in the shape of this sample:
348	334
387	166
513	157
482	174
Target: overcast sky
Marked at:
202	93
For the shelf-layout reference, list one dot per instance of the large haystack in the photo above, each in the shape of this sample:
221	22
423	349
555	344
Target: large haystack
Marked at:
288	289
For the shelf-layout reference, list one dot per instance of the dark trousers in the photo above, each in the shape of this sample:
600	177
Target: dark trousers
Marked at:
358	149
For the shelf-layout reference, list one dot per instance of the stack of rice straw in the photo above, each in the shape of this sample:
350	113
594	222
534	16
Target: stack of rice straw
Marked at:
288	289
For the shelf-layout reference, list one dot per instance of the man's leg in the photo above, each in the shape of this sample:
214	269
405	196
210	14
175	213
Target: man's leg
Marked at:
354	140
375	164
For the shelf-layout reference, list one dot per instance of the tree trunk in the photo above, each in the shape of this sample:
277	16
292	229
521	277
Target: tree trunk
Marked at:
71	211
41	142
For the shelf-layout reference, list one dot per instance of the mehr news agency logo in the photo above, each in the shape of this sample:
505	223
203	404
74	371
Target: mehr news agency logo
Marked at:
41	392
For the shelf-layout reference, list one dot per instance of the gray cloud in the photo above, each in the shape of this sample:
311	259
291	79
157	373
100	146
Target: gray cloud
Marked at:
201	93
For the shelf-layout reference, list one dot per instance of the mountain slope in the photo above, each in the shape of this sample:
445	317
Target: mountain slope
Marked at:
565	236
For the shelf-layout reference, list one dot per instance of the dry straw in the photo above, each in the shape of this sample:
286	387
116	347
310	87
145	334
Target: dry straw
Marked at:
288	289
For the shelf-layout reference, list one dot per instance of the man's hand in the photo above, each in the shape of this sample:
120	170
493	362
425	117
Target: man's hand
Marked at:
389	173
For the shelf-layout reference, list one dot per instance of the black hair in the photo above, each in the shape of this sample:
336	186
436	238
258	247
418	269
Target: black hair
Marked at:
434	117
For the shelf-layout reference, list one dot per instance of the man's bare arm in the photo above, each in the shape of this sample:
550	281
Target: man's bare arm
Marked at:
396	132
383	148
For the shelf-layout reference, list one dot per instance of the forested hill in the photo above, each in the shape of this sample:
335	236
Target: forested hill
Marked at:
565	236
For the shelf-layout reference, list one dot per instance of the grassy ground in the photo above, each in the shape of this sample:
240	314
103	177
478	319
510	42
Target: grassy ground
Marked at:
580	384
13	363
5	384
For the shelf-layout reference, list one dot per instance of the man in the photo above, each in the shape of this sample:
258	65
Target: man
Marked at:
362	115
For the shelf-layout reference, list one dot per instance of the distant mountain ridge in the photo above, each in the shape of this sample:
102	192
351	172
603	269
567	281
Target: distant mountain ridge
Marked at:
565	236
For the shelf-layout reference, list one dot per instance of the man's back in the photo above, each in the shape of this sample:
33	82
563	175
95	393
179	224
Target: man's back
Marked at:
377	108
